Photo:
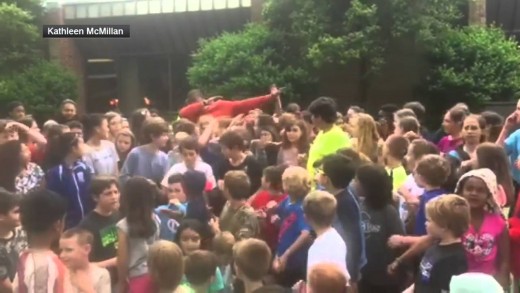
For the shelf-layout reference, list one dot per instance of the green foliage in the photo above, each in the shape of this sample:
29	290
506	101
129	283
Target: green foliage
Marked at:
300	39
18	38
473	65
357	39
425	19
241	63
41	87
33	7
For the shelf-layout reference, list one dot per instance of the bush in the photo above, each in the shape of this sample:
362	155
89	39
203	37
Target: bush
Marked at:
242	64
19	39
41	87
473	65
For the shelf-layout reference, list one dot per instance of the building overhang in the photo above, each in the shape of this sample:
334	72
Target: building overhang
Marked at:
156	26
100	9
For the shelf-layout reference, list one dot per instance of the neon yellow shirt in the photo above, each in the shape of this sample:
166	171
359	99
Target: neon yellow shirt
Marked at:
398	176
327	143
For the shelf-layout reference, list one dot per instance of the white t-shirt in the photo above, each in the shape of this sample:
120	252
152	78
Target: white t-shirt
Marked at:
328	248
180	168
412	187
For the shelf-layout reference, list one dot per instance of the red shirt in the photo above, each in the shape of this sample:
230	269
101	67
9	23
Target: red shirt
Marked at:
269	231
37	154
223	108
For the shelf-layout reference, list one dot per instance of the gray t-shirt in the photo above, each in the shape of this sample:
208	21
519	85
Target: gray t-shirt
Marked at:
378	226
138	249
103	161
143	162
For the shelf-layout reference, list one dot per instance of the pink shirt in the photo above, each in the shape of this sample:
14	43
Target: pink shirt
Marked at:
482	246
447	144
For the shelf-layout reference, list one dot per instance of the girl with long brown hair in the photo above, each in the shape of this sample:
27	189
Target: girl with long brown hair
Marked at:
295	143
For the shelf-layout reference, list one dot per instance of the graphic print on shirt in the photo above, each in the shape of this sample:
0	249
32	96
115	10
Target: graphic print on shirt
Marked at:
287	223
368	227
426	269
172	225
479	246
108	236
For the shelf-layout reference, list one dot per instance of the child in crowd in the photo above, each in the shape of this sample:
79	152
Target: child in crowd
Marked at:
233	148
252	262
136	232
416	150
325	277
75	246
189	149
148	160
166	265
101	157
487	251
319	208
263	202
174	155
125	142
294	238
223	244
75	127
380	220
394	151
71	178
430	173
193	184
338	173
200	267
487	239
410	192
189	237
39	267
12	238
101	223
448	218
238	217
170	214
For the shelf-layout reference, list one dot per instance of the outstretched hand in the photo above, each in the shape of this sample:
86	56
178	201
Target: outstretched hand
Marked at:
275	91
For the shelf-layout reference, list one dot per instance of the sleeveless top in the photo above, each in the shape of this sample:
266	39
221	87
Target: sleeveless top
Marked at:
482	246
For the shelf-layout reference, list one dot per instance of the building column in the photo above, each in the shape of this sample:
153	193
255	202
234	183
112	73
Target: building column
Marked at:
477	12
128	84
66	52
257	7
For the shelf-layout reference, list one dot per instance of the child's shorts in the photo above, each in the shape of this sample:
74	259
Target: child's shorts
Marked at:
140	284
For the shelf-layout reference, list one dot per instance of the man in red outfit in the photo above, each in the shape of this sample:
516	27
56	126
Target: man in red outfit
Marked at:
198	108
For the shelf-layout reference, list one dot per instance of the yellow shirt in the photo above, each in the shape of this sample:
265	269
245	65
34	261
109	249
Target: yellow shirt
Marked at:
327	143
398	177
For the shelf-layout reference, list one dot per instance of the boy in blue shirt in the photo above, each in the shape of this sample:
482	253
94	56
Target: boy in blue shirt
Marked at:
171	214
431	173
294	238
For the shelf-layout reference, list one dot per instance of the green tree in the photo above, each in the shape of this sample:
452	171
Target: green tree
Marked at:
24	74
313	36
243	63
18	39
473	65
41	87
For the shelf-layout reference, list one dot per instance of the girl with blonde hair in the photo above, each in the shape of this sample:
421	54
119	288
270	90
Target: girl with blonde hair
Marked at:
366	138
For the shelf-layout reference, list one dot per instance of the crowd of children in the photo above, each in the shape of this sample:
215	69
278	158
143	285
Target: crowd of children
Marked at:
230	199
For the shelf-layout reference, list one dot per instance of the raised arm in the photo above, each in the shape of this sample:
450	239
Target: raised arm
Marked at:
244	106
192	111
